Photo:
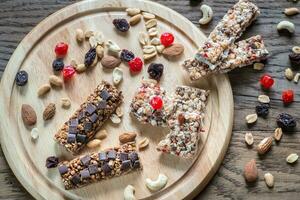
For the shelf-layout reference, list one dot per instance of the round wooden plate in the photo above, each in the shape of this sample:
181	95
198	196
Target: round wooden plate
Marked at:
35	55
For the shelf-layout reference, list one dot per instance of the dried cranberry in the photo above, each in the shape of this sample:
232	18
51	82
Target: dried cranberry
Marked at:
21	78
262	110
51	162
156	102
166	39
89	57
61	49
295	59
135	65
286	122
266	81
287	96
68	72
155	70
126	55
58	64
121	24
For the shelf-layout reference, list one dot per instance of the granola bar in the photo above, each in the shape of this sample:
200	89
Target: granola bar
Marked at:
231	27
91	115
243	53
141	108
185	122
95	167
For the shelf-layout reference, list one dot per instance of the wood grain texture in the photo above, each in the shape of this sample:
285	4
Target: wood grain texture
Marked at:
18	17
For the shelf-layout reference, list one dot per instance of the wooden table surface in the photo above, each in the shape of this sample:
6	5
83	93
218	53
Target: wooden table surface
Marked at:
18	17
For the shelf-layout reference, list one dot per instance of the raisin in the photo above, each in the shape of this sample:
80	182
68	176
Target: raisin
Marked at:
126	55
51	162
21	78
286	122
121	24
262	109
90	57
295	59
155	71
58	64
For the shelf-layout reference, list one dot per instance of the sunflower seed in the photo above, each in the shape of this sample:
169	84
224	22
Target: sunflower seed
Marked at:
151	23
289	74
292	158
263	98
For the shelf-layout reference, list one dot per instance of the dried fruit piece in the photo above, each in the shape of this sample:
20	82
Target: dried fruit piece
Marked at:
266	81
28	115
126	55
21	78
278	134
44	89
263	98
249	139
292	158
102	134
262	109
155	71
110	62
156	102
65	102
289	74
93	143
135	65
115	119
58	64
68	72
250	171
127	137
287	96
250	119
56	81
61	49
133	11
51	162
143	143
34	133
89	57
269	179
265	145
79	35
49	111
173	50
258	66
121	24
117	75
166	39
135	19
286	122
295	59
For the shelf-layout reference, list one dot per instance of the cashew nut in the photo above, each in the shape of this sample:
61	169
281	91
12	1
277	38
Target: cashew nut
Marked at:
207	14
129	193
158	184
287	26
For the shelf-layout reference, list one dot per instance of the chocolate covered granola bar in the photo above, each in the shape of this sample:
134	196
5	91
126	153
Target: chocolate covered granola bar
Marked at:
243	53
95	167
230	28
91	115
185	122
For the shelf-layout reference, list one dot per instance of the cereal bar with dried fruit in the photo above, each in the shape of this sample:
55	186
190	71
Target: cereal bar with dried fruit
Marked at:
95	167
230	28
185	121
91	115
243	53
142	107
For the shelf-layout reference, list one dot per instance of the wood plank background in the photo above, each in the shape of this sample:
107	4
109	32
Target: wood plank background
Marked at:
18	17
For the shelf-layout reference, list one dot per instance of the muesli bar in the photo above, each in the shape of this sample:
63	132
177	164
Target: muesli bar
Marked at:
243	53
141	108
230	28
185	122
91	115
96	167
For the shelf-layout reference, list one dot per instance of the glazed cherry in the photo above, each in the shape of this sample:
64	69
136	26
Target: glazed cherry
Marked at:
266	81
287	96
156	102
68	72
166	39
61	49
135	65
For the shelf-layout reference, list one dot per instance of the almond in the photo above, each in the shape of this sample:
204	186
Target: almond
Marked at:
250	171
110	62
127	137
28	115
49	111
173	50
265	145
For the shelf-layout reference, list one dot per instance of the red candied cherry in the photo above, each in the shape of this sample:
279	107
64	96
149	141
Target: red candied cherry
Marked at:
156	102
135	65
68	72
166	39
287	96
61	49
266	81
